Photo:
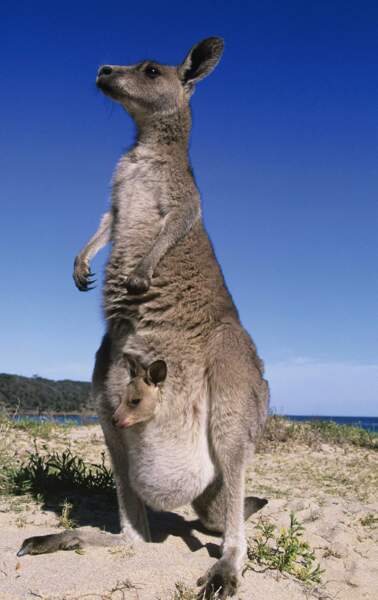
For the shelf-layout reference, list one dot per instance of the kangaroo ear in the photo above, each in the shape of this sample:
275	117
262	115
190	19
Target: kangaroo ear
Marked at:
157	372
201	60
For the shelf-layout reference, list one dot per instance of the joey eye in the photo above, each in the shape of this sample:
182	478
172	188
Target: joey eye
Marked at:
152	72
134	402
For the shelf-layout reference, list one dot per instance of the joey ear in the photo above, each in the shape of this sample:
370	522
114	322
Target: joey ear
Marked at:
201	60
157	372
132	365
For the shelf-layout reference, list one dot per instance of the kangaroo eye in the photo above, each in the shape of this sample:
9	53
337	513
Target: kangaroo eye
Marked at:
134	402
152	72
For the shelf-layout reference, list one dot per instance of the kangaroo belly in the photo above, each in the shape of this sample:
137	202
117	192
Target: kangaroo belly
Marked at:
168	474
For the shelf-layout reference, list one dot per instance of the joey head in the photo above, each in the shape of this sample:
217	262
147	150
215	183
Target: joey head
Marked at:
141	396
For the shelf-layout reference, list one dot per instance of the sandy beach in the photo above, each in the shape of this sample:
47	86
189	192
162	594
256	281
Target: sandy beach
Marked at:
331	488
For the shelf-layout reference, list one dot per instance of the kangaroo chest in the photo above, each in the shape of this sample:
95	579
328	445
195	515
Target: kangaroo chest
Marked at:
137	202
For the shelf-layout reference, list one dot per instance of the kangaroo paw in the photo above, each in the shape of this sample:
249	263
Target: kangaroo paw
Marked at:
83	276
221	581
137	283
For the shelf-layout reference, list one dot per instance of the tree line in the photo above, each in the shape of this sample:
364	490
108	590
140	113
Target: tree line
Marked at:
36	395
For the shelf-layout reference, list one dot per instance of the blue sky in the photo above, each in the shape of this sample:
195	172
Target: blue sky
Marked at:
284	148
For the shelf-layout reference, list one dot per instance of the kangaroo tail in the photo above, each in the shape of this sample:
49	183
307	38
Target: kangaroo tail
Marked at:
69	540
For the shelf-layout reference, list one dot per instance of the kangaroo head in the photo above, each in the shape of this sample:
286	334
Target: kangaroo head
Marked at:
141	395
150	89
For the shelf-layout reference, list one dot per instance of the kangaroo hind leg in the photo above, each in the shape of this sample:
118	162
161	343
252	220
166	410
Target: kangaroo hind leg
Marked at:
210	506
233	375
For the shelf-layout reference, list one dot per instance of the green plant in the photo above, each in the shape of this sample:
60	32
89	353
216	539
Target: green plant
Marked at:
5	458
369	520
329	552
57	473
314	432
332	432
65	519
183	592
285	552
37	429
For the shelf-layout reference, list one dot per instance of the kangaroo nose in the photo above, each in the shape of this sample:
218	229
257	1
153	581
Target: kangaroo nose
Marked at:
105	70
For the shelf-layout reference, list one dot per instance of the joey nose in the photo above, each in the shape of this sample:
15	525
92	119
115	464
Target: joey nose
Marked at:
105	70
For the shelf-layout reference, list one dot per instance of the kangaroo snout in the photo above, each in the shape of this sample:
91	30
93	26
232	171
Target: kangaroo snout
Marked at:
120	423
106	81
120	419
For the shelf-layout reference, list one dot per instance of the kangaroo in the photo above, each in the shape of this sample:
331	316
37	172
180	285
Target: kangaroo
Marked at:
140	397
163	282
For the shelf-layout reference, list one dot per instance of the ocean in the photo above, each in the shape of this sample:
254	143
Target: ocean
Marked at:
368	423
59	419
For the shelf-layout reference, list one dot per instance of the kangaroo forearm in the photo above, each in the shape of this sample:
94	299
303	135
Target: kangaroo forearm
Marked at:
82	272
99	239
175	227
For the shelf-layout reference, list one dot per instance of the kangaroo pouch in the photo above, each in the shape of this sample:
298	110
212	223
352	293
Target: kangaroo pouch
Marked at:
169	473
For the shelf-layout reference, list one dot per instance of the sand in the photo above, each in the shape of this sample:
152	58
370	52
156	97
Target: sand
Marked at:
330	488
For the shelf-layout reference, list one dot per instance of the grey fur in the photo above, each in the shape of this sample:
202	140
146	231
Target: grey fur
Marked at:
164	283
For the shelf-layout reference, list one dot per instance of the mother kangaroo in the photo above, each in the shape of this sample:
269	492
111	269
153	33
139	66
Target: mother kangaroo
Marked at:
164	289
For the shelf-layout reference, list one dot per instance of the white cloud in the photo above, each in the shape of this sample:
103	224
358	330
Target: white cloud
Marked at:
305	386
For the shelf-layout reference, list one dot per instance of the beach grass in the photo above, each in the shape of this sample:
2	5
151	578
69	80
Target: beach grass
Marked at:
37	429
315	432
56	473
